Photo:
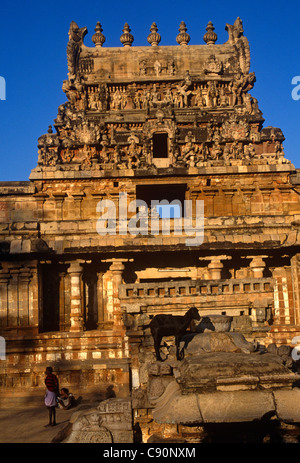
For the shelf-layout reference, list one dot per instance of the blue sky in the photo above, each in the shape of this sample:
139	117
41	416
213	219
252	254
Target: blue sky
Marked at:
34	36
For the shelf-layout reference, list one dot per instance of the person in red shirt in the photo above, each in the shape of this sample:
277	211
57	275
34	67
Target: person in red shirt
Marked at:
51	383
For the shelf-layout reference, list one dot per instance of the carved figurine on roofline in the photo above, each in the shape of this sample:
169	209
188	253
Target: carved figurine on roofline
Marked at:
76	36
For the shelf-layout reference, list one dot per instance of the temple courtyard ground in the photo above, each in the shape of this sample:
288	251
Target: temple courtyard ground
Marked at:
27	424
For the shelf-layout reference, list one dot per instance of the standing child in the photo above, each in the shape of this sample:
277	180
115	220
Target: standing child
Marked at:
51	383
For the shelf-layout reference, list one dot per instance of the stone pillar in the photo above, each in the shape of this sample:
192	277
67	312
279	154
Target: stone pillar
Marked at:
4	279
257	266
215	269
282	301
62	304
24	280
34	299
116	269
209	201
76	316
295	273
78	197
102	316
215	266
13	298
59	201
228	194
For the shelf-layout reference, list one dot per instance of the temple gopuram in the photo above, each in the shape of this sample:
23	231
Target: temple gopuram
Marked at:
170	124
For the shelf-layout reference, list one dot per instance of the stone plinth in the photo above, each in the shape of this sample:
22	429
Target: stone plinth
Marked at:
227	371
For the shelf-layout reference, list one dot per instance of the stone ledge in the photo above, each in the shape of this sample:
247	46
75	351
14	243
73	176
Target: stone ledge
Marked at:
226	407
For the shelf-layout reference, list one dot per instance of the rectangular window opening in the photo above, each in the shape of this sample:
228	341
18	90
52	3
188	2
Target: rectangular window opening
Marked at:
170	199
160	145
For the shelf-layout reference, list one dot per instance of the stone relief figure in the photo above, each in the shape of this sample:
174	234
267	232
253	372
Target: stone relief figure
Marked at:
212	94
235	150
68	155
157	67
93	101
104	153
248	103
154	97
216	151
137	100
145	99
116	100
89	154
213	65
75	91
226	154
117	158
48	147
213	131
47	156
171	68
61	114
223	100
102	98
240	85
76	36
133	152
184	92
251	105
203	155
249	152
70	90
168	98
143	68
124	99
81	103
189	151
199	100
279	153
176	99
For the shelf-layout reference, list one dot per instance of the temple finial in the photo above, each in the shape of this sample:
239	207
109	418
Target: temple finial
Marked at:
98	38
154	38
126	38
183	37
210	37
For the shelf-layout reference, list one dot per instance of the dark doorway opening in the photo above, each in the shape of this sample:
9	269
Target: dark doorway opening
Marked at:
49	316
160	145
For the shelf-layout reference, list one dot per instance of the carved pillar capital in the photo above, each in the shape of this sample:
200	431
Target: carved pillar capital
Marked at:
216	265
257	265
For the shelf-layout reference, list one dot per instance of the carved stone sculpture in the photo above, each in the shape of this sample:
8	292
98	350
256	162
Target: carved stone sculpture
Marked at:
235	31
76	36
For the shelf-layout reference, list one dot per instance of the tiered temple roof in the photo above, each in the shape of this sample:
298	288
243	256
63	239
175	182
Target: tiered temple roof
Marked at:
138	110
